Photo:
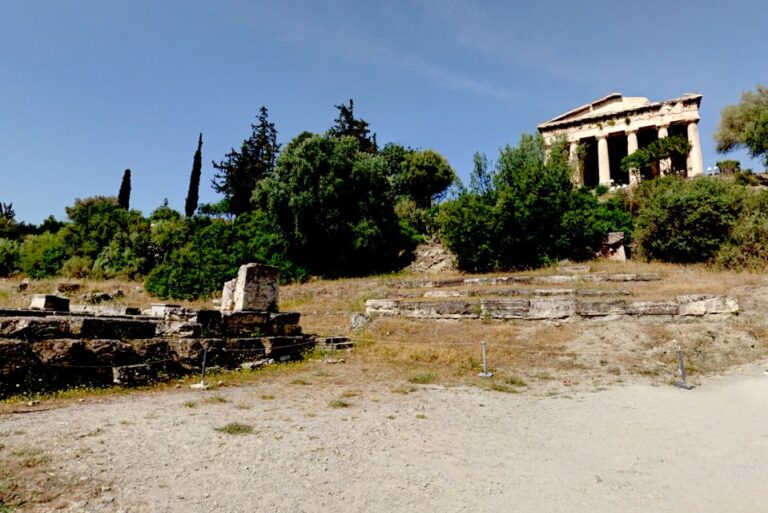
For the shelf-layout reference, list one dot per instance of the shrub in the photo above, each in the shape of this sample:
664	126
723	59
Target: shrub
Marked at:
43	255
77	267
747	246
685	220
9	256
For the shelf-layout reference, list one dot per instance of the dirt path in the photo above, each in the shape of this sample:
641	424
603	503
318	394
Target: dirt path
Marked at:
635	448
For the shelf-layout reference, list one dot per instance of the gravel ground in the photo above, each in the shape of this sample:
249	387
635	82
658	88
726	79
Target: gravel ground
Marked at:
633	448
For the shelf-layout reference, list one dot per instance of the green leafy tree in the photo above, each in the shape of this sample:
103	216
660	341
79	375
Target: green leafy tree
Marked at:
124	196
332	203
650	157
347	124
43	255
526	213
193	193
685	221
424	177
745	125
10	251
240	171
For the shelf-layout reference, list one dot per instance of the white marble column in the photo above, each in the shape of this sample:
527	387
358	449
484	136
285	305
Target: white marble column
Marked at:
634	174
603	161
664	164
695	162
573	158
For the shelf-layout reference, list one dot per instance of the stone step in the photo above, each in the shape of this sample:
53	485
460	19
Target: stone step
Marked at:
525	292
542	308
527	279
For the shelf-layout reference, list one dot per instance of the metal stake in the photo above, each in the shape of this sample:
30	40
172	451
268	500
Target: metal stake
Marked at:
683	383
485	373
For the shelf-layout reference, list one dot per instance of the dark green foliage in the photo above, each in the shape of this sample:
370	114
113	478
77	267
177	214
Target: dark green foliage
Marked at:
423	177
746	125
240	171
747	245
193	193
746	178
215	252
728	167
685	220
332	203
527	213
651	156
347	125
10	251
124	196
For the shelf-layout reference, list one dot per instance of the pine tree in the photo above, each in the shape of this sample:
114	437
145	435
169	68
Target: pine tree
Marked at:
240	171
124	196
346	124
193	194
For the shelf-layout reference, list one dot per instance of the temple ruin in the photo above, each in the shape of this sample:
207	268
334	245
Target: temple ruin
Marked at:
602	133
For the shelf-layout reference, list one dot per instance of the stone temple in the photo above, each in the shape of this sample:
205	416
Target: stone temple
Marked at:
603	132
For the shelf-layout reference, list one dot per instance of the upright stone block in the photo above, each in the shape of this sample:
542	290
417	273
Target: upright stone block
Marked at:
256	288
49	302
228	296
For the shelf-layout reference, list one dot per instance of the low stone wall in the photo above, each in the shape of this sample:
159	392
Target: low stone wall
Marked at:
555	308
525	293
528	279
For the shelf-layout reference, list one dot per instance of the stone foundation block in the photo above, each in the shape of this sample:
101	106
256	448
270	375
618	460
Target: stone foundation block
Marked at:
505	308
49	302
551	308
653	308
132	375
600	308
706	304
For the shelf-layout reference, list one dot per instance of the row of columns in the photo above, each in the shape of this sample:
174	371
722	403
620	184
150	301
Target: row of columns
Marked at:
695	163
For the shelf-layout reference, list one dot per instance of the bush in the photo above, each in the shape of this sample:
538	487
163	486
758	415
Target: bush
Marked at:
747	246
686	221
215	253
9	256
527	214
43	255
77	267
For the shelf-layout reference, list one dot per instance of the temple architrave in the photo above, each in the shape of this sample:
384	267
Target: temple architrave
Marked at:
603	132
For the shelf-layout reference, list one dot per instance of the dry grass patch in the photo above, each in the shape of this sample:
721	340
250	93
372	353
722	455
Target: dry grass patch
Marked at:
235	428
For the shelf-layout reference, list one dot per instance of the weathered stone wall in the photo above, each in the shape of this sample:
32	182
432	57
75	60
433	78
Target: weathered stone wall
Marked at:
554	308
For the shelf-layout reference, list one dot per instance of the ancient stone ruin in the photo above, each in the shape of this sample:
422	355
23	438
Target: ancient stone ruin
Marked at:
51	345
492	298
601	133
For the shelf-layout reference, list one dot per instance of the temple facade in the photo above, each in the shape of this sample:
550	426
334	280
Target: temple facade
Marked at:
603	132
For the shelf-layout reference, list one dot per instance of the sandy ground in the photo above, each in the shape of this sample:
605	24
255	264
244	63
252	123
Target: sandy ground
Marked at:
631	448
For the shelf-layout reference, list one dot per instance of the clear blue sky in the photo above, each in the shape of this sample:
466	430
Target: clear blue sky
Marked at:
90	88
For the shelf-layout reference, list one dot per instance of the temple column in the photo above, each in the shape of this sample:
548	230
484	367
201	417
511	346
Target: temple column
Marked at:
695	162
603	161
573	158
664	164
634	174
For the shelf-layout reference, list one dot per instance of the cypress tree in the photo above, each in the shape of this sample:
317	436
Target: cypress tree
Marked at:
194	180
124	196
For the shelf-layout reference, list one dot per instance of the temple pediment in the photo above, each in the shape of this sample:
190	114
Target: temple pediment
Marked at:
601	133
613	105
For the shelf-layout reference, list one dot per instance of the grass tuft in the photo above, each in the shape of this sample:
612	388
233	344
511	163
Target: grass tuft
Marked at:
423	378
235	428
338	403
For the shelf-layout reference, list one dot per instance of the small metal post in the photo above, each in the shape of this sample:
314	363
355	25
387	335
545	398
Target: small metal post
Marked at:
683	383
485	373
